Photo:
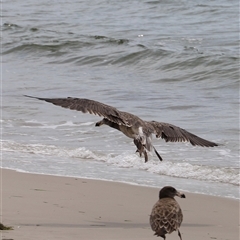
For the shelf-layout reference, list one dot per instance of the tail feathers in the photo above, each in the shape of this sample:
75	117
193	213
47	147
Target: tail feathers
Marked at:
160	235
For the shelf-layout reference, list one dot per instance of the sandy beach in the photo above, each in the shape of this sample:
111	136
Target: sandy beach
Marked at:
50	207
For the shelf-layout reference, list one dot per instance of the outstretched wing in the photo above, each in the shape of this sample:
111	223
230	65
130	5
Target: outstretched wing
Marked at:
92	107
173	133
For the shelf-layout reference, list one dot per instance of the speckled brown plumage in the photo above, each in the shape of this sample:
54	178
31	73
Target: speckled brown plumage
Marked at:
132	126
166	215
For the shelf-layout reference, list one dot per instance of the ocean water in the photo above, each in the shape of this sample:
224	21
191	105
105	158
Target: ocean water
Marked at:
168	61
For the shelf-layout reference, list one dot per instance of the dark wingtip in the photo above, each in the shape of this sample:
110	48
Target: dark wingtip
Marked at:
214	144
32	97
43	99
218	144
28	96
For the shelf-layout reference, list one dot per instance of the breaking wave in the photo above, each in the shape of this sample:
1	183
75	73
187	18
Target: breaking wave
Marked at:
128	160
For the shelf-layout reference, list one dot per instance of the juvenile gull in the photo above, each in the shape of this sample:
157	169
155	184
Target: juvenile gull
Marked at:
132	126
166	215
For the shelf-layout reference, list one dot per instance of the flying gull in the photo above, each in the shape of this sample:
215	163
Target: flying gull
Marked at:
166	215
132	126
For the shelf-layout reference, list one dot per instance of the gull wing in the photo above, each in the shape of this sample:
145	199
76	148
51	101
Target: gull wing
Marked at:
173	133
92	107
166	216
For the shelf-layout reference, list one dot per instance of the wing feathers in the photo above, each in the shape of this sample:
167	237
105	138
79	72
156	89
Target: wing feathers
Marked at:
89	106
166	216
171	133
166	131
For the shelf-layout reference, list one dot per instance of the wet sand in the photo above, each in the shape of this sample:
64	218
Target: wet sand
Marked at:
51	207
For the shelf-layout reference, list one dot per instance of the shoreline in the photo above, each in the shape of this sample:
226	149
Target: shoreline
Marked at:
126	182
42	206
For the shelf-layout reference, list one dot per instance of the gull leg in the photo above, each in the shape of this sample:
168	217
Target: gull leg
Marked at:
145	156
179	234
140	154
140	148
160	158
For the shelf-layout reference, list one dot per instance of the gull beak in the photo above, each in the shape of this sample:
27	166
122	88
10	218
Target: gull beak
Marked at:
181	195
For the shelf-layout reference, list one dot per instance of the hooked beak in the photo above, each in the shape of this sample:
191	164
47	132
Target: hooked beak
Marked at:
181	195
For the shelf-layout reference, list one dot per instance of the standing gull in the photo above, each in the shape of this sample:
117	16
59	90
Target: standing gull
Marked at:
132	126
166	215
